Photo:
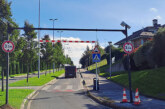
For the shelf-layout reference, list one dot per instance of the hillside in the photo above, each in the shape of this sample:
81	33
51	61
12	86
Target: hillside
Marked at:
150	82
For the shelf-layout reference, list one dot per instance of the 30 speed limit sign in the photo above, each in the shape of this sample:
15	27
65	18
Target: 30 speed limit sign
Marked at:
128	47
8	46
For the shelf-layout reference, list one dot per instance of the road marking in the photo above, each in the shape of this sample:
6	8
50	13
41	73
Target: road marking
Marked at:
30	101
69	87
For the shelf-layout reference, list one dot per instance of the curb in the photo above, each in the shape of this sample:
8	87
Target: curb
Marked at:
101	100
35	91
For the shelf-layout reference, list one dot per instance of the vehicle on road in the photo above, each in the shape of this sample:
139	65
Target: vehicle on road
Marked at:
70	71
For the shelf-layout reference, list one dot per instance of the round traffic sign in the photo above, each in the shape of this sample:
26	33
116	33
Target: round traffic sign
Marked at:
8	46
128	47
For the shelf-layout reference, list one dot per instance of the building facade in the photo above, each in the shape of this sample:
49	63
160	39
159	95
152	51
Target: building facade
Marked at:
139	37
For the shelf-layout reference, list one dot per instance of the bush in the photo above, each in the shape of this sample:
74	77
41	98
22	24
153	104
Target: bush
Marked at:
158	48
143	57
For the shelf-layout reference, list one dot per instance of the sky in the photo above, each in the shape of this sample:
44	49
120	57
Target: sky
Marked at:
90	14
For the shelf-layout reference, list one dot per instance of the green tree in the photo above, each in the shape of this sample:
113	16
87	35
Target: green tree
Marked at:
158	51
29	50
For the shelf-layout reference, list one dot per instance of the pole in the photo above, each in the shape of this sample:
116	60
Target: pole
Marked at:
39	42
7	73
110	60
2	79
129	72
54	48
96	76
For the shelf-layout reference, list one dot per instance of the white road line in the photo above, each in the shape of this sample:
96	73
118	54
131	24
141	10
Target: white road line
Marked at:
69	87
29	103
57	87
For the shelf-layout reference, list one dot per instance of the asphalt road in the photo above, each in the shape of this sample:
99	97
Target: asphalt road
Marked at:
63	94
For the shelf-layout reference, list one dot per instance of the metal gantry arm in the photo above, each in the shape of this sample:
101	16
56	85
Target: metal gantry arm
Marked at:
124	31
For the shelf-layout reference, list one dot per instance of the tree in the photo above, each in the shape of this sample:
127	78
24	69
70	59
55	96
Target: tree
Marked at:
5	17
115	52
158	51
29	50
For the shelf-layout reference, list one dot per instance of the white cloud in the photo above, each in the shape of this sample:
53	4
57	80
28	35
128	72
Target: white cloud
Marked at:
158	17
153	10
75	50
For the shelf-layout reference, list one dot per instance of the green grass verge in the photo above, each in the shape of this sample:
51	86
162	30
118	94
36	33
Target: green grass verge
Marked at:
150	82
35	81
12	76
16	97
99	64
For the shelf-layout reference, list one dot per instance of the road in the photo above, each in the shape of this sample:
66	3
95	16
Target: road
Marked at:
63	94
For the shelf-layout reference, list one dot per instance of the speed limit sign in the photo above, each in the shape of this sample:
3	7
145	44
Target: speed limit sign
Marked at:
8	46
128	47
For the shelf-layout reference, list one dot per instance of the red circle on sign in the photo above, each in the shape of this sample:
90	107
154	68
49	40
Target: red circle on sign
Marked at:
10	44
128	47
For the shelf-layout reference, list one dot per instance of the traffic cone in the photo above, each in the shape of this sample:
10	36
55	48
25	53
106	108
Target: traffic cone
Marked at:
124	100
137	98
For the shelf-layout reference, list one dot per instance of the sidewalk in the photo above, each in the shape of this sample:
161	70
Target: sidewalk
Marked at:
113	91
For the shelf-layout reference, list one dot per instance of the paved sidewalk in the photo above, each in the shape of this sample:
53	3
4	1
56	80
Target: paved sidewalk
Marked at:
114	92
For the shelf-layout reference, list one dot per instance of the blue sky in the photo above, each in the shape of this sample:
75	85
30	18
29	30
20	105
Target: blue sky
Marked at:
100	14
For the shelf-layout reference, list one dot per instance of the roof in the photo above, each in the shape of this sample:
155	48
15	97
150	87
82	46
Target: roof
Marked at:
134	35
146	34
147	31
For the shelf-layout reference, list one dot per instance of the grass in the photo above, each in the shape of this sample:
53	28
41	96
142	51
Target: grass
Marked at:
149	82
93	66
16	96
35	81
12	76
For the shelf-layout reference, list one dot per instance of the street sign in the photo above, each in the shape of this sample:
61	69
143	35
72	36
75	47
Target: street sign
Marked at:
96	50
8	46
128	47
96	57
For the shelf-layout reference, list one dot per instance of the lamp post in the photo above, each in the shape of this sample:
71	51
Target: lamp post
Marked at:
39	42
128	59
53	39
60	34
110	60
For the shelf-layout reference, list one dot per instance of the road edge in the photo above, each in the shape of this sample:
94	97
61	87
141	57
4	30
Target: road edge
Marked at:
35	91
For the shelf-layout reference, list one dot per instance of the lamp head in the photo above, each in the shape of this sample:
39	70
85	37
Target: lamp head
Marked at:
110	43
124	24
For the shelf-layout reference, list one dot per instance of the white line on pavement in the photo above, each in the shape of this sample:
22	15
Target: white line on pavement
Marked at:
29	103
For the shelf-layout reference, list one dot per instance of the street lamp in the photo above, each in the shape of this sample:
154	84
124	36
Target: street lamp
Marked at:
110	60
53	25
39	41
128	62
53	40
60	33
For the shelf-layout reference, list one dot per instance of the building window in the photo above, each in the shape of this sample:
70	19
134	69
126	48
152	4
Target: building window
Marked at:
142	41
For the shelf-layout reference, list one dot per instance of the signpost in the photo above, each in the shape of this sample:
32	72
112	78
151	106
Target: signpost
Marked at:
96	58
7	47
128	47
